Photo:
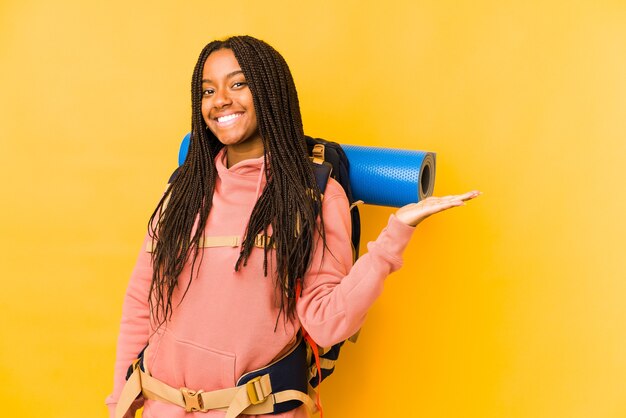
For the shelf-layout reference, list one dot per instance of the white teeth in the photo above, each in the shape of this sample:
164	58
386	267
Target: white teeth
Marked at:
226	118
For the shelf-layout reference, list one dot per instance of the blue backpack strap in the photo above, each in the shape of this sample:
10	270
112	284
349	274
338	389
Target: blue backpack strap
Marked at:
322	174
131	368
174	175
335	156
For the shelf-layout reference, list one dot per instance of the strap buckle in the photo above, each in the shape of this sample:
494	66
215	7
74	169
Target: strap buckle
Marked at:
255	391
318	153
193	400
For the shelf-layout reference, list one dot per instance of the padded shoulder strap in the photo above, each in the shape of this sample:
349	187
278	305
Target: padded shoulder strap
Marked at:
173	176
322	173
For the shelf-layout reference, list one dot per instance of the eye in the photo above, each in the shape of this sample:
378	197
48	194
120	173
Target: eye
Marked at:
239	84
207	92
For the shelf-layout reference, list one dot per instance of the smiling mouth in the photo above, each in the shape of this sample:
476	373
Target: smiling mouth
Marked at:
228	118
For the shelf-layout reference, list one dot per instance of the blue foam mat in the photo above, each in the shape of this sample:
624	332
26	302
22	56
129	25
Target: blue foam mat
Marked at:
380	176
389	176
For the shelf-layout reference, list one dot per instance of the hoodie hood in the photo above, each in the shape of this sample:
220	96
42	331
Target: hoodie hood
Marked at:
242	178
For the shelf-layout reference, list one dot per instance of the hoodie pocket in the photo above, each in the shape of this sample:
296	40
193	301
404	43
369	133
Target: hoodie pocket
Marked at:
183	363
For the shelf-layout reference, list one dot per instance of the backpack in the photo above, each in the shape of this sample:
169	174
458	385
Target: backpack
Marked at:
328	159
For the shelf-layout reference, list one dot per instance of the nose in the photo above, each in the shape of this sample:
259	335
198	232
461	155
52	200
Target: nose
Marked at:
221	98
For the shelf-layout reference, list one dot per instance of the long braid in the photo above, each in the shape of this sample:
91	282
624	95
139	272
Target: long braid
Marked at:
290	202
172	222
293	215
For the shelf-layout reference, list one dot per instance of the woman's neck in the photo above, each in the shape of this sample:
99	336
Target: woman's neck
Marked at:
239	152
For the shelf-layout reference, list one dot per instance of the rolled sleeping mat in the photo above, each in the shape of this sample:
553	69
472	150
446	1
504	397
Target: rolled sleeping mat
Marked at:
380	176
389	176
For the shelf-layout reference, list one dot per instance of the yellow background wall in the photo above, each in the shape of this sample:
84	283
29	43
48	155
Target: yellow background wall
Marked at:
510	307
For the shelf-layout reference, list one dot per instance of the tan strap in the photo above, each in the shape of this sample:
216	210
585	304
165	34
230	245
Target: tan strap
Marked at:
156	390
325	364
129	393
223	241
253	398
259	241
240	402
150	245
356	203
355	336
296	395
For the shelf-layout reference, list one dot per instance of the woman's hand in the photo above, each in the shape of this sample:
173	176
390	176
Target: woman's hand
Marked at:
414	213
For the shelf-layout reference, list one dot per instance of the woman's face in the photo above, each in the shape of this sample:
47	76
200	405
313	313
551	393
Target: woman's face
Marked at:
227	106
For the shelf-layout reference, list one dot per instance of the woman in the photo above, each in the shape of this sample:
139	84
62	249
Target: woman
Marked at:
242	251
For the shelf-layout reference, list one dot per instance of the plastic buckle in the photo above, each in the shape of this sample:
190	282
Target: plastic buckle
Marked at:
193	400
318	153
254	389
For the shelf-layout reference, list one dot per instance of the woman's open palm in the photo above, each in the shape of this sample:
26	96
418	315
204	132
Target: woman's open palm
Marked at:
414	213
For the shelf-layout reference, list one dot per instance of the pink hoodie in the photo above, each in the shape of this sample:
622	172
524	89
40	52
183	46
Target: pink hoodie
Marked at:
224	326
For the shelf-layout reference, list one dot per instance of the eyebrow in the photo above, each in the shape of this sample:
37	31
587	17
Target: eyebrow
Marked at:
229	75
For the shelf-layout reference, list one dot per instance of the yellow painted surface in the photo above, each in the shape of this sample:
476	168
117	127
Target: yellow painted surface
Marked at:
510	307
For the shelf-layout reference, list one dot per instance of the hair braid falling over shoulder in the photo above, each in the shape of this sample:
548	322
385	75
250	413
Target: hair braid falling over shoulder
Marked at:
290	202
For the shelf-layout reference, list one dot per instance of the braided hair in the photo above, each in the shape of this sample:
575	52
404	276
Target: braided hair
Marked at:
290	202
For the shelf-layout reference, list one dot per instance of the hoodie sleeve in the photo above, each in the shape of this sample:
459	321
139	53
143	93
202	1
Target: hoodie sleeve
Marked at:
336	294
134	326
